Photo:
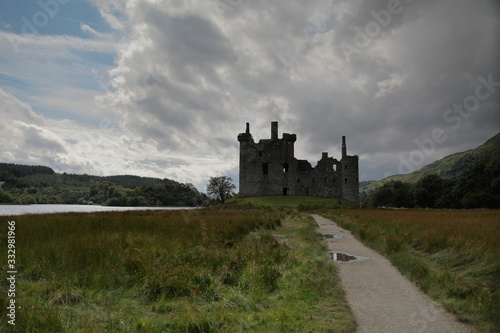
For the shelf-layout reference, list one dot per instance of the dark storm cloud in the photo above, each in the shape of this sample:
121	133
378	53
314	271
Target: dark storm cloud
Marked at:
439	50
383	73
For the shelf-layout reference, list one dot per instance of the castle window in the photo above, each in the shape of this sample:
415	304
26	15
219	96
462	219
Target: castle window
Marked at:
313	180
260	153
265	168
345	167
335	167
345	180
285	167
298	180
285	191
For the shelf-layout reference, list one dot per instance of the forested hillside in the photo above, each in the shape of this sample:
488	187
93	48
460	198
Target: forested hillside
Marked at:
476	187
23	184
449	167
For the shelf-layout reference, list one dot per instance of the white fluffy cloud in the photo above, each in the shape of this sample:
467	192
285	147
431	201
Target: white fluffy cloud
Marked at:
68	147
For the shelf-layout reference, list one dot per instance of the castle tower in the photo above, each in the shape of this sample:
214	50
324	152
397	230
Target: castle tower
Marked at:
274	130
344	147
246	161
350	175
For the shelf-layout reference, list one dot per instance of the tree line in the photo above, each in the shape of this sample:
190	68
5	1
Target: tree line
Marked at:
477	187
19	170
22	184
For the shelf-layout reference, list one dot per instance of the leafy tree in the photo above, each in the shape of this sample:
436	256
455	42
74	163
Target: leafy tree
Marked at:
428	190
383	196
450	197
5	197
403	196
479	186
221	188
393	194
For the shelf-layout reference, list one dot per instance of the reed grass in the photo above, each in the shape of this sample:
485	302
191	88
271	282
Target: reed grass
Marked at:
207	270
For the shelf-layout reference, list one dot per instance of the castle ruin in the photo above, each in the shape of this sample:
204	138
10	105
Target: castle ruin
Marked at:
269	167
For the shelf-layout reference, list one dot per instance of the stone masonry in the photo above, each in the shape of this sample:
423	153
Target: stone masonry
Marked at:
269	167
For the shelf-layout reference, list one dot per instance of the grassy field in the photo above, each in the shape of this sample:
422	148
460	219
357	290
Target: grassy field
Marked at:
210	270
301	203
257	265
453	255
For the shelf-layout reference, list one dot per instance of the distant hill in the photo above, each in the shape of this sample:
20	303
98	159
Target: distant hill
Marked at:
26	184
449	167
30	174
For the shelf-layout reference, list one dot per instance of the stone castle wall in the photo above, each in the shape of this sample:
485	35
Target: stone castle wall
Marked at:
269	167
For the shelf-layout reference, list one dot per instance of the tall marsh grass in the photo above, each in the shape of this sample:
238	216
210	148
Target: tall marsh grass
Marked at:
164	271
453	255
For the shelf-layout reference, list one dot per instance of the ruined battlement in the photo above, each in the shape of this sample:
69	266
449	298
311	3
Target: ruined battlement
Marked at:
269	167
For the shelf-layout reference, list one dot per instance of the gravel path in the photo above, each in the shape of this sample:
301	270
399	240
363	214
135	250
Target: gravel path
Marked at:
381	299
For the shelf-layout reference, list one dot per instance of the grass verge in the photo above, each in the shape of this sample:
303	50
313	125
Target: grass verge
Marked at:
452	255
301	203
213	270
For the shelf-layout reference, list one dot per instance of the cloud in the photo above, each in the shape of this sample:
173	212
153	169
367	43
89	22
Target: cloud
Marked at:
88	29
52	45
10	105
267	61
389	85
54	73
23	133
187	76
69	147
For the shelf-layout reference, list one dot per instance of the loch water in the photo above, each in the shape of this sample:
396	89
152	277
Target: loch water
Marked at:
12	210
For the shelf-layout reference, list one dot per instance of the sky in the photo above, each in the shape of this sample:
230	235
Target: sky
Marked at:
162	88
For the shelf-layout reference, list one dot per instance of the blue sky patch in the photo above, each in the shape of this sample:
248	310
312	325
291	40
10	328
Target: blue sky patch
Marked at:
51	17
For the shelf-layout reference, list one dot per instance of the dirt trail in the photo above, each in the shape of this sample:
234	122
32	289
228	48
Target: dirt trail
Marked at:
381	299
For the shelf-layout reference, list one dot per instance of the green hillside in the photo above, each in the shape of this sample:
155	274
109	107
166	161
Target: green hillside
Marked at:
449	167
26	184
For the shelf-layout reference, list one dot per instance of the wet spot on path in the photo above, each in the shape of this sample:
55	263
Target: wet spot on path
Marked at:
334	236
346	257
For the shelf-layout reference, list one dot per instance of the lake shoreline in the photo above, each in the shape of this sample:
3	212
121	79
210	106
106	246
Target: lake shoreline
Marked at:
16	210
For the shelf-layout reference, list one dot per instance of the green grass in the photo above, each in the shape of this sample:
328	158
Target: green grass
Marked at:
211	270
302	203
452	255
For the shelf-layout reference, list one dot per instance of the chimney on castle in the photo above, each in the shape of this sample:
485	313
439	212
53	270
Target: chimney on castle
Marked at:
274	130
248	129
344	147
